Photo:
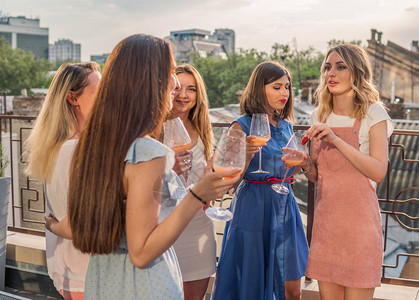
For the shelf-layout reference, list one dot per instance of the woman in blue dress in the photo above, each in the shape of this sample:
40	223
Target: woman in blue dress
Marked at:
264	251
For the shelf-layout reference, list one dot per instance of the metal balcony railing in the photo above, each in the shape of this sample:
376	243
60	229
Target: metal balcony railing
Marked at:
27	206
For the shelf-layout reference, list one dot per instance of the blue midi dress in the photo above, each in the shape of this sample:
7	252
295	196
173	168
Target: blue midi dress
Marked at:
264	244
113	276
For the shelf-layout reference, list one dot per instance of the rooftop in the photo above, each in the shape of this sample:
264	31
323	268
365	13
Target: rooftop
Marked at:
191	32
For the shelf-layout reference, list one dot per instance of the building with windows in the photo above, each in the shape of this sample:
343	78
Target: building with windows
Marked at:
226	37
100	58
184	42
396	69
26	34
64	50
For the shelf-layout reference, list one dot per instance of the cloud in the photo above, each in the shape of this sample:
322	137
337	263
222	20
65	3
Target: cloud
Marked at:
100	24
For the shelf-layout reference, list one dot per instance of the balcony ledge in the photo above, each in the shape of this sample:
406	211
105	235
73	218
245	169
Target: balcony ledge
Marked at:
27	253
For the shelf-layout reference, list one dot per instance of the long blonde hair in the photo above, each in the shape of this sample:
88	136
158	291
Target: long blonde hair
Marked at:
254	97
356	59
199	114
56	121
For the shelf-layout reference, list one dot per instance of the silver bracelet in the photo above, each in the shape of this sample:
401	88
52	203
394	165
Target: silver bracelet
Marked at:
309	168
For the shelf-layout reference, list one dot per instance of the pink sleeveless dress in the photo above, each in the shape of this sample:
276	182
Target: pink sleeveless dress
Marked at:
347	242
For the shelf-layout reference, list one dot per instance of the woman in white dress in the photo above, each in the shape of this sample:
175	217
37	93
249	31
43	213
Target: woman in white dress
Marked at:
195	248
50	149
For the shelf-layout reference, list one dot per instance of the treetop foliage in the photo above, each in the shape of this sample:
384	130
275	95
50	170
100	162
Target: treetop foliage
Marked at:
224	78
20	70
335	42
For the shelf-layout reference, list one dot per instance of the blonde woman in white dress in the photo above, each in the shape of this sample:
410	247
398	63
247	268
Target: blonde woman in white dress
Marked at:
50	147
195	248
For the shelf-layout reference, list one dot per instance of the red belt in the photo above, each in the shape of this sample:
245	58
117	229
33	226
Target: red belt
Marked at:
273	180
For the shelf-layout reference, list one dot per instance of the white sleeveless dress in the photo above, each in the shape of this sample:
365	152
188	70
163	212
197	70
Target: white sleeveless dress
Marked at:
196	248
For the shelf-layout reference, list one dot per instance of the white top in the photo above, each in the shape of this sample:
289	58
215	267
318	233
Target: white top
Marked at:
67	266
196	247
375	114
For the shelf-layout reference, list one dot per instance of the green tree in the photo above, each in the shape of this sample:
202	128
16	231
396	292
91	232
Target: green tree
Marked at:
302	64
224	78
20	70
335	42
56	64
281	53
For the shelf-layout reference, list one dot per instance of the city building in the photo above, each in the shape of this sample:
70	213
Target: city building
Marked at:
64	50
26	34
100	58
226	37
396	69
184	42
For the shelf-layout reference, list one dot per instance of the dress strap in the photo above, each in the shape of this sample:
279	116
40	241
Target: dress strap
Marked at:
357	125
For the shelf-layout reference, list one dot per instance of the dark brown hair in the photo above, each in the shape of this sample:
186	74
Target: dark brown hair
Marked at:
131	102
254	98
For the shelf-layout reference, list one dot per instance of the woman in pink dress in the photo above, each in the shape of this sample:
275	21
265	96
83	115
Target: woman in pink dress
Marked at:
349	156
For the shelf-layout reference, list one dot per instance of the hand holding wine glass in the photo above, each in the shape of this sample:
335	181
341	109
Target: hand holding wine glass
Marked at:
177	138
293	155
183	162
229	154
260	129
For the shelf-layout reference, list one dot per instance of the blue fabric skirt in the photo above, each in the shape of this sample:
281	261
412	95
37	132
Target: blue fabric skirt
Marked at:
263	245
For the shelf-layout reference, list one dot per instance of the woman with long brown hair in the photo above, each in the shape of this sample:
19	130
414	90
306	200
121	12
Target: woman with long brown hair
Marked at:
195	248
264	251
122	182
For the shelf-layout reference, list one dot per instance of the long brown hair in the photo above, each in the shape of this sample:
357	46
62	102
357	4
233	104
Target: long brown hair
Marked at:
57	121
131	102
356	59
254	98
199	114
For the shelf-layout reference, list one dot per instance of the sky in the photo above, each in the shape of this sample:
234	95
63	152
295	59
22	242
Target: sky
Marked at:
98	25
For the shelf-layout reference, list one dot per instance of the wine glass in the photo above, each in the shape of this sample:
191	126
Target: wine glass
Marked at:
260	128
176	137
292	157
230	153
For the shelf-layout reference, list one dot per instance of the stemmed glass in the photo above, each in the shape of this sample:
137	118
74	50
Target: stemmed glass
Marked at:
230	153
260	128
292	157
176	137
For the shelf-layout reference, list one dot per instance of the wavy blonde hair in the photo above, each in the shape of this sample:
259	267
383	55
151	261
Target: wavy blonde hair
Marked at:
56	122
199	114
356	59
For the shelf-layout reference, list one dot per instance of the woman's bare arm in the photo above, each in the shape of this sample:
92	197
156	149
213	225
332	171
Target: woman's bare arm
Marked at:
147	239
